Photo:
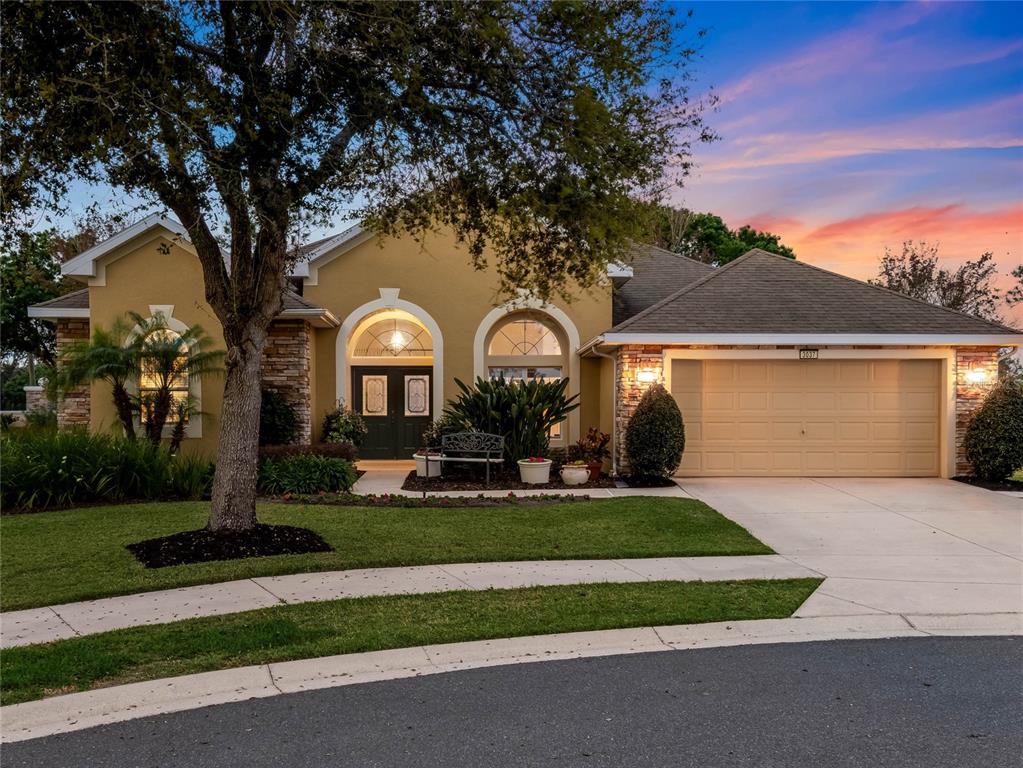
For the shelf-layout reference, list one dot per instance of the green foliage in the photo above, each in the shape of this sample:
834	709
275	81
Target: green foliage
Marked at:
46	469
344	451
306	474
994	436
447	424
523	412
705	236
41	419
29	274
343	425
655	437
278	419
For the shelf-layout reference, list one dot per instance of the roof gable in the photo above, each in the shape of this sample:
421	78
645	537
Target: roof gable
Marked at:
763	293
84	265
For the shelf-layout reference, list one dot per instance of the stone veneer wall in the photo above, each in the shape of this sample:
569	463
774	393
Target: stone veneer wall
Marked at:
286	361
969	396
73	407
36	399
632	359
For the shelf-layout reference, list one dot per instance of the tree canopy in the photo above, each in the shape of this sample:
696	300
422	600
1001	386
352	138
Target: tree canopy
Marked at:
530	129
705	236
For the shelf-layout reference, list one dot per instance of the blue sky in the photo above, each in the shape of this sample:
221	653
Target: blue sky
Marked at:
848	127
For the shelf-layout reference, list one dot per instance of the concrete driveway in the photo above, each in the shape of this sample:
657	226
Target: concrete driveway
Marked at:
921	546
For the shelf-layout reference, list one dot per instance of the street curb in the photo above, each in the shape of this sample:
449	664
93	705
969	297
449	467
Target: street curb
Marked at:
77	711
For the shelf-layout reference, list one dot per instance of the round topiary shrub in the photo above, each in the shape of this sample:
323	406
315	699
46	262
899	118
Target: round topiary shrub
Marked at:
994	436
656	436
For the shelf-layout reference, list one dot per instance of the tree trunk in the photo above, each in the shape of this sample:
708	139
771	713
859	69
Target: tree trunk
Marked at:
234	484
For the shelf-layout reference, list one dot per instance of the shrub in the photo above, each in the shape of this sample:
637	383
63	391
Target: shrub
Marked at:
994	436
655	437
278	419
41	418
593	447
44	469
447	424
343	425
306	474
523	412
344	451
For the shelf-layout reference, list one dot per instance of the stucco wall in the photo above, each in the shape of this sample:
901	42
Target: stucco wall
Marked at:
436	276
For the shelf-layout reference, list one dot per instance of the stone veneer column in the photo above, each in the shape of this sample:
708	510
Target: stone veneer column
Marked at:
286	360
629	389
970	395
36	399
73	406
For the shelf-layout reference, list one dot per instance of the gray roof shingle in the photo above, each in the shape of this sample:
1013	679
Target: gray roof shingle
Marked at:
74	300
656	274
761	292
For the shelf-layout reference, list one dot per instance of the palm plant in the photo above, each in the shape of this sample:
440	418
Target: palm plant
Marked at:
168	360
110	356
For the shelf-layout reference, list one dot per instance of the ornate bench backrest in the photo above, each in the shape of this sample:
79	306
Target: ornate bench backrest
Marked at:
479	443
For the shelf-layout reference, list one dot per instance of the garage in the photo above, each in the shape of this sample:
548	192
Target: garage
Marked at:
847	417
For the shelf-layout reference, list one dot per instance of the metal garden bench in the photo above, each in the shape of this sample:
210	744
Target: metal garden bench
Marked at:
472	447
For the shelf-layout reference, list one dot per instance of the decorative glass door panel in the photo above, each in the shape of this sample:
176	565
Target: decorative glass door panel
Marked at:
395	403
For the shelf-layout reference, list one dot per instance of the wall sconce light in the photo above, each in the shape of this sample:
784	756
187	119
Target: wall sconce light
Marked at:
976	375
647	376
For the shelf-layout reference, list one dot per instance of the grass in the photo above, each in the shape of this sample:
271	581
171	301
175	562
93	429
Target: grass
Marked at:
374	623
78	554
1018	476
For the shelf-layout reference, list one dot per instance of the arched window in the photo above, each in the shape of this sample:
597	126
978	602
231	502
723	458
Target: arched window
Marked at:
164	364
527	345
393	335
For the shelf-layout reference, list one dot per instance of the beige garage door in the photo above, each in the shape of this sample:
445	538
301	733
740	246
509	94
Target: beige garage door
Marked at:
813	417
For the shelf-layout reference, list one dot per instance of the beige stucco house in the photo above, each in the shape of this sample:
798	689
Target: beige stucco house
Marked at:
780	368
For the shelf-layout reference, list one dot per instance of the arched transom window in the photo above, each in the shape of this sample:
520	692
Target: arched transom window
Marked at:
393	336
527	345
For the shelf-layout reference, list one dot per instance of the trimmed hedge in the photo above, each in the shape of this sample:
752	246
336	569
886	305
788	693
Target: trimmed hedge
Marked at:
994	436
656	435
305	474
344	451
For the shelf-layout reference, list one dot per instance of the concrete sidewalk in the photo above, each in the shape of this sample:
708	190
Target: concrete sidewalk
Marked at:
77	711
58	622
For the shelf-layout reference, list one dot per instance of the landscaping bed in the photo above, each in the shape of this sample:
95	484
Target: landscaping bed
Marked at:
1009	484
311	630
430	502
203	545
79	554
501	479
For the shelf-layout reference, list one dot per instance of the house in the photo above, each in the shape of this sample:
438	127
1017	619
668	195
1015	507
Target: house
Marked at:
780	368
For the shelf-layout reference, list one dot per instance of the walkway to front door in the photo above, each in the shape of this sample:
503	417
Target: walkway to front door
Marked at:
395	403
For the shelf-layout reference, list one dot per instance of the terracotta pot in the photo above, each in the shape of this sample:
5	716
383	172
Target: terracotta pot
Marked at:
595	468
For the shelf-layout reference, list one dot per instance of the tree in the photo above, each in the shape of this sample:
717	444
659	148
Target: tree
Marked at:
915	272
1015	294
29	274
529	129
705	236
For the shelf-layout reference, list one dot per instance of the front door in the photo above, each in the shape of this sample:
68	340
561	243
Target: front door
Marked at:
395	403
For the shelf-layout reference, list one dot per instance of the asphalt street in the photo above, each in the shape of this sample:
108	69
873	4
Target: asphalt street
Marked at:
906	702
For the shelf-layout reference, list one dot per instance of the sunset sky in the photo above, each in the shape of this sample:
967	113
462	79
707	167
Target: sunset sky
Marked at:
849	127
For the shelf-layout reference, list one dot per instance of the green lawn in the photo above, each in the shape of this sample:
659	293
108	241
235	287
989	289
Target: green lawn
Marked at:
310	630
1018	476
79	554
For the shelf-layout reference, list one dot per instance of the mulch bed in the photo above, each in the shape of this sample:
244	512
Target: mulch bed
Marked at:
429	502
202	546
501	479
642	481
991	485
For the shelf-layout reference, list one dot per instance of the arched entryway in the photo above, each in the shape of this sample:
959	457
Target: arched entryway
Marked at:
389	371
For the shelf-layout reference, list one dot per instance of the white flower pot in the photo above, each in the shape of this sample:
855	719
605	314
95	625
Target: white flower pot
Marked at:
535	472
575	475
427	466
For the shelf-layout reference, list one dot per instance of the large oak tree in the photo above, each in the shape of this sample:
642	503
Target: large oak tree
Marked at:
530	129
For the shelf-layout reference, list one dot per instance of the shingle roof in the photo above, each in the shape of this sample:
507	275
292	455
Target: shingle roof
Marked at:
761	292
656	274
74	300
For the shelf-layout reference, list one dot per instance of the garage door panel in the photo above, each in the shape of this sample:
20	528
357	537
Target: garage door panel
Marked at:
821	417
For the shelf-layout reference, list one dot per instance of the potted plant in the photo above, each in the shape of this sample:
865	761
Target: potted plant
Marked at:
575	472
427	462
536	470
593	450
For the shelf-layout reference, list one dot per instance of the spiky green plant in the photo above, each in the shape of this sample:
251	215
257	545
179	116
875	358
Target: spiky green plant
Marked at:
523	412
